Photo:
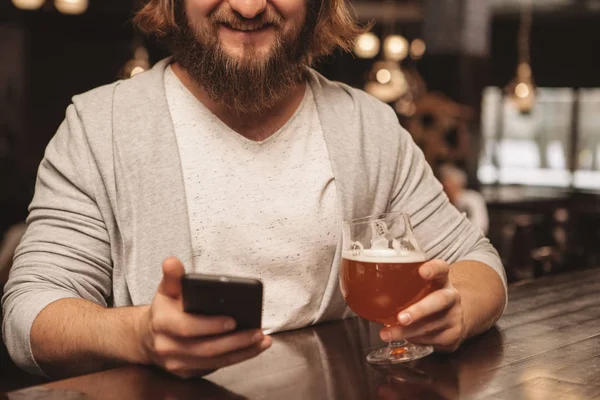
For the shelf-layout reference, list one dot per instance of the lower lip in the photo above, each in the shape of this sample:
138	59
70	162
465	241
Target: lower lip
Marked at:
255	34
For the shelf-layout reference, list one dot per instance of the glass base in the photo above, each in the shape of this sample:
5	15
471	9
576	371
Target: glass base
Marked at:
398	352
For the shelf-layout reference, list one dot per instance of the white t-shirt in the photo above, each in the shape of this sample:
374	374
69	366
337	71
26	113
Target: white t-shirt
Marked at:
264	210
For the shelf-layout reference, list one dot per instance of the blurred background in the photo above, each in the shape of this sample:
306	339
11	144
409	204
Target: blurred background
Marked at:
505	92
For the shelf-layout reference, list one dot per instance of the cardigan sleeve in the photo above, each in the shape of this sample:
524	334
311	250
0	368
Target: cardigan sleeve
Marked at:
65	252
441	230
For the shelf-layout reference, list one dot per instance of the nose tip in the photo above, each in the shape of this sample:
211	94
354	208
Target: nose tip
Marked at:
248	8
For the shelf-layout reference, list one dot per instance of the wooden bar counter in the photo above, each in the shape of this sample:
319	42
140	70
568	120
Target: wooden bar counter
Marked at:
546	346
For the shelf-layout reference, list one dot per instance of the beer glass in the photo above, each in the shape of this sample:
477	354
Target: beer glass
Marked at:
379	277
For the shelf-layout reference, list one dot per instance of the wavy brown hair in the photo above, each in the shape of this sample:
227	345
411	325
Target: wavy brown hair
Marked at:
334	25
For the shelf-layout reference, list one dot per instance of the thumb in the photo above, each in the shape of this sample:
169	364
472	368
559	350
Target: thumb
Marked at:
173	271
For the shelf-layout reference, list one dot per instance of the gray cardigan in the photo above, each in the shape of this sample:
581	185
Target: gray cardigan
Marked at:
110	205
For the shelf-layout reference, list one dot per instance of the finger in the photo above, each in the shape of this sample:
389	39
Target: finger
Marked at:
173	271
430	339
179	324
433	303
444	340
435	270
166	346
426	326
239	356
218	346
187	367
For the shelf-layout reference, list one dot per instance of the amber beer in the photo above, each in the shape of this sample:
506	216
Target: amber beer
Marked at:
377	287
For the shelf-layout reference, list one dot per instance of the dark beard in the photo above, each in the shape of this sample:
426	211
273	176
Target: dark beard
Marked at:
246	85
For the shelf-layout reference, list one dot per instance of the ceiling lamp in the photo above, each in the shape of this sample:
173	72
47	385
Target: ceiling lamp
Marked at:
28	4
367	45
417	49
138	64
387	81
73	7
395	48
134	67
415	90
521	90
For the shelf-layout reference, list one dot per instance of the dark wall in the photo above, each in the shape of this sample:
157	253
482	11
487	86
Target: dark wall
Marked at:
69	56
564	50
63	56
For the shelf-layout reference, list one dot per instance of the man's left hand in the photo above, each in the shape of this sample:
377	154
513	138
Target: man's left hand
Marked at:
437	319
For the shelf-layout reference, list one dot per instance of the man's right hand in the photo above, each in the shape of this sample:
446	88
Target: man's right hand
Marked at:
189	345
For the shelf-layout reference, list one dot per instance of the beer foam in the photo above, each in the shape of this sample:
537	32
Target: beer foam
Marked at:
385	256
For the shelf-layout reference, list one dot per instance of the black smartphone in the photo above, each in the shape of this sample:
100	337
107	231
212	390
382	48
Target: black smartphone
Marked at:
238	298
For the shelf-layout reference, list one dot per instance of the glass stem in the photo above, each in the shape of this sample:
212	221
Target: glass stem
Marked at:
397	348
397	343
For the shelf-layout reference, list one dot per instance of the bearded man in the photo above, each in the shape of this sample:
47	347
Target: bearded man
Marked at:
232	157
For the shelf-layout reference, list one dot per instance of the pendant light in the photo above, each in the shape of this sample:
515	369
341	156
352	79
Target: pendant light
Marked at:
140	61
522	90
386	80
395	47
28	4
367	45
72	7
417	49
